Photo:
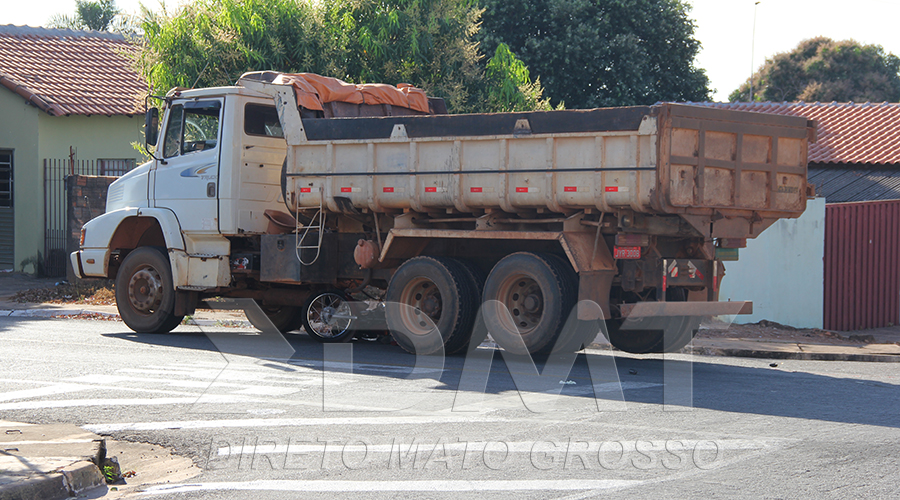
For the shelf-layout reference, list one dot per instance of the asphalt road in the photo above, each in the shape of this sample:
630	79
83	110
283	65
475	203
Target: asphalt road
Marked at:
379	423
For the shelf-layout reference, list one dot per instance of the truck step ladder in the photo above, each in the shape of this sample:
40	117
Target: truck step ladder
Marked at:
317	224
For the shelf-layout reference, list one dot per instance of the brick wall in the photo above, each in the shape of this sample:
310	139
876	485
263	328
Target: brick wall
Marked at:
86	199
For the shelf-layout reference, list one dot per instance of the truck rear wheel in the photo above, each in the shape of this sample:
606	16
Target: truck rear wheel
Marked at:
431	304
326	319
648	335
145	294
538	292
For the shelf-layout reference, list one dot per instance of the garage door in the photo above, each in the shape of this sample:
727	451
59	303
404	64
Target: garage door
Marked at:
6	209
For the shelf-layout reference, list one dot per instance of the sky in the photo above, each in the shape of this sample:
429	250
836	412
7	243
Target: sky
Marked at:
723	27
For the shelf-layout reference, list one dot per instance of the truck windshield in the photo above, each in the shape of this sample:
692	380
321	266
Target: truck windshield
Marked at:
192	127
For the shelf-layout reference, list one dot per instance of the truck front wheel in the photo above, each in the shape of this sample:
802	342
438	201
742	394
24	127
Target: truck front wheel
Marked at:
145	294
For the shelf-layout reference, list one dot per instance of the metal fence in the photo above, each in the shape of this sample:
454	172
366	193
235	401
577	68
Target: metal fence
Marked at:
862	265
56	205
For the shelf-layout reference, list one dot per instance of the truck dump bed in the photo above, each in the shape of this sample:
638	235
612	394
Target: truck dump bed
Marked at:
705	164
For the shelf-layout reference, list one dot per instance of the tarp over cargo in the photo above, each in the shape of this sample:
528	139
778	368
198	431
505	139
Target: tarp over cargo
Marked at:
315	90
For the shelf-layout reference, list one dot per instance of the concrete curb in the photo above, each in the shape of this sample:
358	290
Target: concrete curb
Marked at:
51	313
805	356
64	483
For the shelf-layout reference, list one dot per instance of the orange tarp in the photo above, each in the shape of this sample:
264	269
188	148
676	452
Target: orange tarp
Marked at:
314	90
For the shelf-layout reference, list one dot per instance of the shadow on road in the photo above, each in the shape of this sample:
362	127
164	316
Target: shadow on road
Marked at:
758	390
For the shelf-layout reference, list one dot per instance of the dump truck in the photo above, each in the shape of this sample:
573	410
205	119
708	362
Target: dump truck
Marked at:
538	228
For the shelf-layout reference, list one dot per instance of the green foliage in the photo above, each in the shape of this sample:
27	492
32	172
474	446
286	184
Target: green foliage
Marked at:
594	53
427	43
821	69
89	15
509	86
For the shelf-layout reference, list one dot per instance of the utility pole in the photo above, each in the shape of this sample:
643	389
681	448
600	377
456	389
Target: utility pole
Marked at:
752	49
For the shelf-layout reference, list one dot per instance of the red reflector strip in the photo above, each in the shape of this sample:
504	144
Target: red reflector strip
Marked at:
306	190
627	252
431	190
570	189
346	190
521	190
476	190
388	190
612	189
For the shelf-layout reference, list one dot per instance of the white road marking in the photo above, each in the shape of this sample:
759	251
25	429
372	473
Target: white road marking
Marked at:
286	422
42	391
594	447
379	486
71	403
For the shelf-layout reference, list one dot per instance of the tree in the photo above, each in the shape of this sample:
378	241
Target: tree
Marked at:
428	43
89	14
821	69
594	53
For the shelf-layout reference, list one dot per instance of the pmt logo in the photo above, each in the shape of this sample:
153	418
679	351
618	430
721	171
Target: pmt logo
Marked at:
198	172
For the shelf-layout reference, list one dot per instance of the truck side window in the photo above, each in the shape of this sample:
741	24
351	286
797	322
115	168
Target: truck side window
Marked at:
172	144
193	126
262	120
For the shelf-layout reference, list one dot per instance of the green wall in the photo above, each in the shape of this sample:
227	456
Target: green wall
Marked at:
19	132
34	135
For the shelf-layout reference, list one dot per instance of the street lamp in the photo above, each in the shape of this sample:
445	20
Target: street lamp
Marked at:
752	48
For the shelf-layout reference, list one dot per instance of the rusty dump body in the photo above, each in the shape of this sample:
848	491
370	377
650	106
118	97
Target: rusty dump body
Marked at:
728	174
625	212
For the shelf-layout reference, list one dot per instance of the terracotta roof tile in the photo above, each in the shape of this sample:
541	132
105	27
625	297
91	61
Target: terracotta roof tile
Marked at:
66	72
848	132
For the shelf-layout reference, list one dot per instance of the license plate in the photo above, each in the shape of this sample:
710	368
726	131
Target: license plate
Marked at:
627	252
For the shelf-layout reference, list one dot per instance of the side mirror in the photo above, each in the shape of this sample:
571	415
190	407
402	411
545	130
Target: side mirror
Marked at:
151	127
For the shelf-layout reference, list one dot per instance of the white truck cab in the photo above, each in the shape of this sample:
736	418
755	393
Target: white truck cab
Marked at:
216	170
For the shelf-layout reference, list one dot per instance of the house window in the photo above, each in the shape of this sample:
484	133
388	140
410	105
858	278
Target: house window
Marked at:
115	167
6	178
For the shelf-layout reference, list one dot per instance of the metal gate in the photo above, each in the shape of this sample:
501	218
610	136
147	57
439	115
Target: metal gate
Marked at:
7	214
862	265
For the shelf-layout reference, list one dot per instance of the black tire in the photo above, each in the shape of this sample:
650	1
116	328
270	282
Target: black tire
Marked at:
647	335
430	305
539	293
145	293
284	318
477	278
576	334
318	318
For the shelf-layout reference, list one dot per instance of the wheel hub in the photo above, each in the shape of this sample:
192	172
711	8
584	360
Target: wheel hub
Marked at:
532	303
145	290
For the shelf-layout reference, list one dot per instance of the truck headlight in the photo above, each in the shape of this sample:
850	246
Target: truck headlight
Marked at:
81	240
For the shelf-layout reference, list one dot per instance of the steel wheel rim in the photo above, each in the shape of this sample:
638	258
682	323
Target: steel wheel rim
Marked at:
145	289
321	315
421	306
524	300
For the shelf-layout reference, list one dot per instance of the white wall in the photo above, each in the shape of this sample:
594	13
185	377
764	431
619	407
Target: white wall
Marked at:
782	271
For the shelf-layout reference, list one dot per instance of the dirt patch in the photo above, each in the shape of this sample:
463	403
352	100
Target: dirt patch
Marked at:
770	330
99	293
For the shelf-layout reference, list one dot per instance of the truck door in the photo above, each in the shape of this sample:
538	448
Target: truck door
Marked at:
186	179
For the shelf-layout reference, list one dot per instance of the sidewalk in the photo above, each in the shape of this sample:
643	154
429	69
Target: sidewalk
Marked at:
59	461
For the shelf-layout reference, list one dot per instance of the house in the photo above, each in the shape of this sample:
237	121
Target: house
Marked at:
836	266
67	99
